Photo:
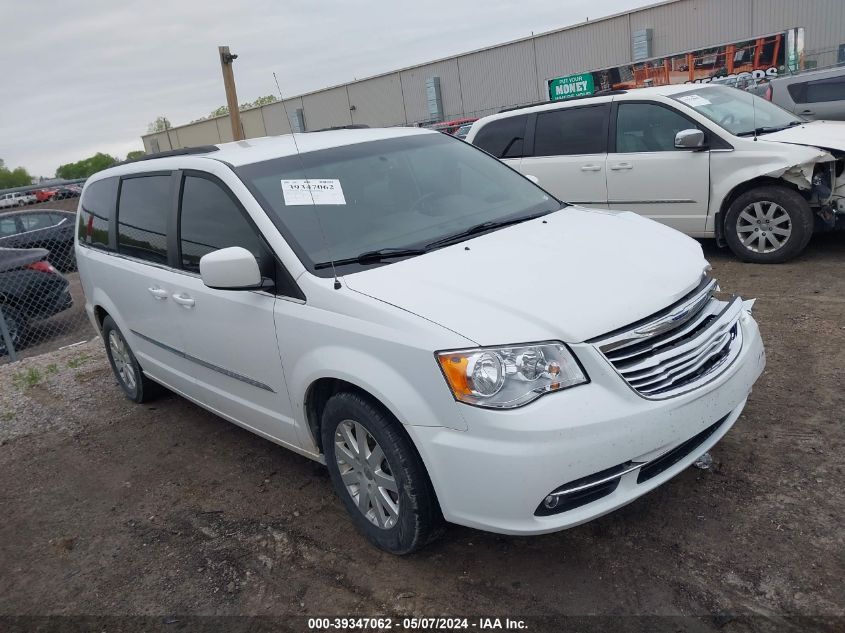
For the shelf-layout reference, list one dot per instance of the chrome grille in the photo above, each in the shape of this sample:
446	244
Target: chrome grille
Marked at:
680	348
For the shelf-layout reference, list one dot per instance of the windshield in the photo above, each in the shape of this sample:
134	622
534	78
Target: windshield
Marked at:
738	112
400	193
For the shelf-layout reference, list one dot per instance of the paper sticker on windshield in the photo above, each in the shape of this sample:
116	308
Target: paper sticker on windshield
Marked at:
694	100
311	191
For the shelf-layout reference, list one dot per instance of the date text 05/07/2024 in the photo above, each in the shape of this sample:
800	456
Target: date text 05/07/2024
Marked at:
415	623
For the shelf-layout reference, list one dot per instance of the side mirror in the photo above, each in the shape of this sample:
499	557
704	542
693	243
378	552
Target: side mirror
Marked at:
533	179
232	268
689	139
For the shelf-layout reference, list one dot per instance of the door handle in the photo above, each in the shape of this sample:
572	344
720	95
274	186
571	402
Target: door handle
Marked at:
590	167
621	166
808	112
159	293
184	300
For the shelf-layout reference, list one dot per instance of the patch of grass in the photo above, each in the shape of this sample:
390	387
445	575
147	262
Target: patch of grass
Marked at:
52	368
27	379
76	361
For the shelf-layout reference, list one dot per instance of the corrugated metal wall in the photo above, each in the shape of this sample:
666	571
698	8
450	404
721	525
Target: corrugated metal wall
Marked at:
413	89
481	82
593	46
498	77
327	108
683	26
275	120
377	102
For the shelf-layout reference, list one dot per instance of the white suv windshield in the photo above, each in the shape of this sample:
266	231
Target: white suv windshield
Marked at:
400	193
740	113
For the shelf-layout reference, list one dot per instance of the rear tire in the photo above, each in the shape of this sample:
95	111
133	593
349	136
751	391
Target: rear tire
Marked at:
130	377
378	475
768	225
17	325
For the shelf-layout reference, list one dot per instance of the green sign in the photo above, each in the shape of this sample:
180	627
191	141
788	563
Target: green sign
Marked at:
571	86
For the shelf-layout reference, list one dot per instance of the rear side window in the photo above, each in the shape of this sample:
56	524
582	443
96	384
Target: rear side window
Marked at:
210	220
142	217
818	91
572	131
503	138
8	227
97	212
36	221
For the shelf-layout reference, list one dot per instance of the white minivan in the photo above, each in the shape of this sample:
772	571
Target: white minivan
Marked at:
710	161
451	340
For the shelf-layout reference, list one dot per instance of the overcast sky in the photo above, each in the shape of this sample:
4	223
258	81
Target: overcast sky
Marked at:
88	76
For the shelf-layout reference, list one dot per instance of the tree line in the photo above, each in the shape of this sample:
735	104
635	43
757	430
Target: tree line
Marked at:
17	177
20	177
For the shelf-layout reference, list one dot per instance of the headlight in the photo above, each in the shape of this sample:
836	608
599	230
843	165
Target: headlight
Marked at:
508	377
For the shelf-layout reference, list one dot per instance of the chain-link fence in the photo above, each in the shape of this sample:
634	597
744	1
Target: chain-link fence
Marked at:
41	303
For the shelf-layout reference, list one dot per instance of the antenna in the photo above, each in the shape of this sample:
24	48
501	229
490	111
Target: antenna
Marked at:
337	285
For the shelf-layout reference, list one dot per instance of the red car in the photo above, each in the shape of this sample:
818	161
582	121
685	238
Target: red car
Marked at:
44	195
450	127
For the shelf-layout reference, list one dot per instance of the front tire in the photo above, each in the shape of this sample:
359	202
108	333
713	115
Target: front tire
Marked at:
130	377
768	225
378	474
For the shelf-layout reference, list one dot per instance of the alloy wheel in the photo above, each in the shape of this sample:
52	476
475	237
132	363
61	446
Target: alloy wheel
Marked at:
366	474
122	360
763	227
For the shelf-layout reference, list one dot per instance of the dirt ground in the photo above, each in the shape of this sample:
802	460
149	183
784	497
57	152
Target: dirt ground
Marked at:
166	510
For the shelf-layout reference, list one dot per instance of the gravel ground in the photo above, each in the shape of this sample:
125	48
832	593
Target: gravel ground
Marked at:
162	509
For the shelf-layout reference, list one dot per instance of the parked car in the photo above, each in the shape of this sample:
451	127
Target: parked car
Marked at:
30	289
709	161
447	337
17	199
450	127
66	191
816	94
44	195
462	131
43	228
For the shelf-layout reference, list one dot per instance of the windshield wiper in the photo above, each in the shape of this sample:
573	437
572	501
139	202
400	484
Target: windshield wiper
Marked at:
767	130
480	228
372	257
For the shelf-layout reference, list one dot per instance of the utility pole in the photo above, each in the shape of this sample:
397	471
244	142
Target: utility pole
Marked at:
226	59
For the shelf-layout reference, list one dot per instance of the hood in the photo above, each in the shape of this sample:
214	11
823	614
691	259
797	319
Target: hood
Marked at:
571	275
823	134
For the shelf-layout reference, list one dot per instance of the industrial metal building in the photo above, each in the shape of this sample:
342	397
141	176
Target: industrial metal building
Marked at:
651	45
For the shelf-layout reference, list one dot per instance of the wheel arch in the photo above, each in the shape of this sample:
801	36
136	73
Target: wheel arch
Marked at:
100	314
318	394
741	188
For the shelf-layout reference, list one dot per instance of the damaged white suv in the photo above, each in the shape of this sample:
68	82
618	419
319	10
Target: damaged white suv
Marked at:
710	161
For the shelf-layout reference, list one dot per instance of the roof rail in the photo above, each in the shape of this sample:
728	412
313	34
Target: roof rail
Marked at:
354	126
600	93
185	151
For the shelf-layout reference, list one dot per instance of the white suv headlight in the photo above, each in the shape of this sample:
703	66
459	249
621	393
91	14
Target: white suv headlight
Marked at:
509	376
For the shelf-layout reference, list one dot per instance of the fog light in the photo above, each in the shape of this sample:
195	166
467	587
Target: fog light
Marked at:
551	502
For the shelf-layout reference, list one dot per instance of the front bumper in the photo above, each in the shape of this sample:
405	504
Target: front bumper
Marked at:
494	475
